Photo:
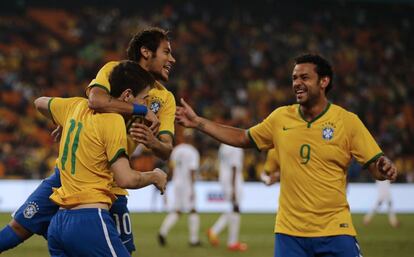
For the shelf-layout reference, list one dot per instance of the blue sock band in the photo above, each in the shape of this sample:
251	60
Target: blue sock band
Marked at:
8	239
139	110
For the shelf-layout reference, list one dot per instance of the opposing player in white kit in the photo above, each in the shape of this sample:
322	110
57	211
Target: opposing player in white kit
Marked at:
231	179
384	196
185	160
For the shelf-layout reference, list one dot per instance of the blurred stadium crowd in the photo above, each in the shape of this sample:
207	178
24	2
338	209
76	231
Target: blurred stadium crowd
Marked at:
233	65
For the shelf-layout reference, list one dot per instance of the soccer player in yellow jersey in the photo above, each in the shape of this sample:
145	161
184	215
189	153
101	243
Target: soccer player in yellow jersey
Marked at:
92	156
151	49
316	141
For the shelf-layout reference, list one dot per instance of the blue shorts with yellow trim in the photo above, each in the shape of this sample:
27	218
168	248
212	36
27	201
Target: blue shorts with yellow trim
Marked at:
84	232
326	246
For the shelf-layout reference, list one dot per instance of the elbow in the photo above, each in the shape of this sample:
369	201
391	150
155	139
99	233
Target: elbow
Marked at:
97	102
37	103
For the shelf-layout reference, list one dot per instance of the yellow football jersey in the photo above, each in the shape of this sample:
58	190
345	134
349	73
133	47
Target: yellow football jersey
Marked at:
314	157
90	142
272	161
160	101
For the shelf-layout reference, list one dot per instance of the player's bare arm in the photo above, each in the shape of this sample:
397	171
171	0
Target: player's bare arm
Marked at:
42	105
128	178
161	146
383	169
100	101
185	116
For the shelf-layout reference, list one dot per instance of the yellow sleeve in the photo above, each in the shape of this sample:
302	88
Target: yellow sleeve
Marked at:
102	78
59	108
113	135
262	134
272	163
166	115
363	146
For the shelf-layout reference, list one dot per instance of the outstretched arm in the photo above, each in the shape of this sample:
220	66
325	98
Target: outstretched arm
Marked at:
186	117
383	169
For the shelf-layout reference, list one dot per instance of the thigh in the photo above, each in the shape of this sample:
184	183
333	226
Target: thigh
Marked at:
120	214
37	211
291	246
337	246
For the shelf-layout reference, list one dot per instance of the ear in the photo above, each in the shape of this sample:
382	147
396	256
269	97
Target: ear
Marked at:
127	95
324	82
145	52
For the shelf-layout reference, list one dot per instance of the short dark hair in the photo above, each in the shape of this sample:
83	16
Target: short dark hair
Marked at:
323	67
149	38
129	74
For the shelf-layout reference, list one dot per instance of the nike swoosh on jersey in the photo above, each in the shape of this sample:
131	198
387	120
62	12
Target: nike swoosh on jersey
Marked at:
285	128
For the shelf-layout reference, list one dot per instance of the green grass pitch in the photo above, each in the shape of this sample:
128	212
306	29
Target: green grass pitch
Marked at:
376	240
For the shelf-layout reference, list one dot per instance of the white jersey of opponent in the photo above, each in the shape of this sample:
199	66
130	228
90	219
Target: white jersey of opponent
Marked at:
230	157
185	158
384	190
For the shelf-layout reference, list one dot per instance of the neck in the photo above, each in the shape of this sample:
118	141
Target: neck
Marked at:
311	111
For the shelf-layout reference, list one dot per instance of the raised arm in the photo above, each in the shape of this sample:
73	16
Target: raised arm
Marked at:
42	105
186	117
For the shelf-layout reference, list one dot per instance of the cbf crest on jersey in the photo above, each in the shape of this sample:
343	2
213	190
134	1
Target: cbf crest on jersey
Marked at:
31	209
328	131
155	106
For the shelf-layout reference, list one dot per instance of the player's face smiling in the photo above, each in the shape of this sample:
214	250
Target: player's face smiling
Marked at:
161	62
306	84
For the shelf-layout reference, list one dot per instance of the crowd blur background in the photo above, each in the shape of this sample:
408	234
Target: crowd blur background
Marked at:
234	64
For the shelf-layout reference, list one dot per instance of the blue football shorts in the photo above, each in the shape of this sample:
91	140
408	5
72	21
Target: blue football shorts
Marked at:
37	211
120	214
84	232
326	246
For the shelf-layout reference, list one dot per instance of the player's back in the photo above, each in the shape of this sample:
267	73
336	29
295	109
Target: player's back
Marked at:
90	141
185	158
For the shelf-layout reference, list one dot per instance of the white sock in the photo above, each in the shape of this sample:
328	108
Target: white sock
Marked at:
194	227
234	228
220	223
168	223
392	218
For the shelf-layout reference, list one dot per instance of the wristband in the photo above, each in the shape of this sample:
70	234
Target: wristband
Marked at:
139	109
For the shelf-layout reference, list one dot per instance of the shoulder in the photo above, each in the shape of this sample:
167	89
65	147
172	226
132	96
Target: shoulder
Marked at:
110	65
341	112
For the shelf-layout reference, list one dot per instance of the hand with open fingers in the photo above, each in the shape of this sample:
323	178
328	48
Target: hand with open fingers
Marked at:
387	168
185	115
142	134
161	181
56	133
153	119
